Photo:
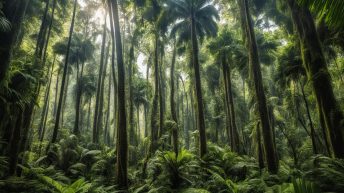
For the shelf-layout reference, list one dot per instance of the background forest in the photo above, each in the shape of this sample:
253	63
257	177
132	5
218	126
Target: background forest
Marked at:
221	96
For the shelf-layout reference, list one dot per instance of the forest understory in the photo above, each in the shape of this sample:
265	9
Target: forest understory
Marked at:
171	96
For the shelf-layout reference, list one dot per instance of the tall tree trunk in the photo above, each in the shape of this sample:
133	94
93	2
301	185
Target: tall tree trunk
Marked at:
122	141
107	120
271	156
46	98
199	98
230	104
314	62
132	137
162	102
146	105
101	101
154	113
173	103
113	68
65	70
42	33
45	47
95	138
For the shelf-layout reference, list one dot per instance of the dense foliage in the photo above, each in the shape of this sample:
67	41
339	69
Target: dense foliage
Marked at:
220	96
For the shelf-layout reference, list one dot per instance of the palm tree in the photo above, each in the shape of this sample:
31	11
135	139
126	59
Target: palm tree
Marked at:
222	48
139	98
254	63
84	52
195	19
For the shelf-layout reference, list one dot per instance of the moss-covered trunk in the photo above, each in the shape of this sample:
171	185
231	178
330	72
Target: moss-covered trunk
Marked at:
314	62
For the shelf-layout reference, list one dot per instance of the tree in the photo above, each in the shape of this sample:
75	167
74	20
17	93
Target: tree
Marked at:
254	63
197	21
222	47
65	69
122	141
99	85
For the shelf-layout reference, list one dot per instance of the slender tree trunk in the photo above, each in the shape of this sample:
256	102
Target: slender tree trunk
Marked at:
132	137
76	130
95	138
46	98
173	103
146	105
107	120
230	104
161	93
314	62
45	46
42	33
65	70
199	101
271	156
138	124
313	138
122	141
56	92
101	101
